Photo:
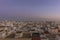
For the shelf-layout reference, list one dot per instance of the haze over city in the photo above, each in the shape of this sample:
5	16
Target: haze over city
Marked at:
30	19
30	8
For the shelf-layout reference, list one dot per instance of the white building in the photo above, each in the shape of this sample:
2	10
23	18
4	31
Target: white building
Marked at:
57	37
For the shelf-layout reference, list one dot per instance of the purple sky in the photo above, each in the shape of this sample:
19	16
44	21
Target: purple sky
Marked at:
30	8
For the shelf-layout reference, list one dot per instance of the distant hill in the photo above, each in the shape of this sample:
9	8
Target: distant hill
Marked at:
25	19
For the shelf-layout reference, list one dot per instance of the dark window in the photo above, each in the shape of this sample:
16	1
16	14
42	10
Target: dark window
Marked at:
35	34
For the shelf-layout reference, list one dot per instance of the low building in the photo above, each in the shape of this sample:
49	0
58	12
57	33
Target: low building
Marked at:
26	35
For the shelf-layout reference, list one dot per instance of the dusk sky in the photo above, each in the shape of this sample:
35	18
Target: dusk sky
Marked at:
30	8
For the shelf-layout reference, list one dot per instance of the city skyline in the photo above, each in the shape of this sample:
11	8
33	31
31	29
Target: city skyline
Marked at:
30	8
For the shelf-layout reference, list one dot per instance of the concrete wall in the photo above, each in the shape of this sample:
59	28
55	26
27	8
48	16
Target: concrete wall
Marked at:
18	39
